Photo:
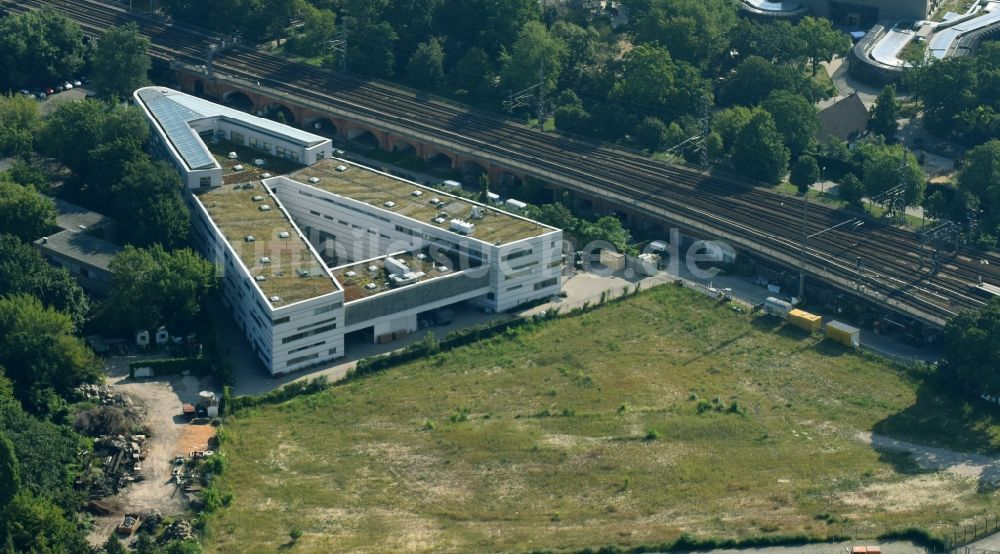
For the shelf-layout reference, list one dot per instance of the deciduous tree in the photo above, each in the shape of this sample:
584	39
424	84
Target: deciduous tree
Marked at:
805	172
121	64
38	48
23	270
152	287
759	151
40	351
972	349
821	40
426	65
535	53
980	177
795	117
885	112
23	212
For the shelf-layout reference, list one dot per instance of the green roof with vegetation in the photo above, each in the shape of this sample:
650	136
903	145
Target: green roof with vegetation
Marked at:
374	188
290	269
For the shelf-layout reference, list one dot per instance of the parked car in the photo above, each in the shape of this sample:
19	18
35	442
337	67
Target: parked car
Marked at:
77	83
49	91
59	88
40	95
67	86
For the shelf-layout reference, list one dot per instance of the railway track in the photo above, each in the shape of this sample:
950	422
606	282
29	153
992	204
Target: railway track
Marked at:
894	266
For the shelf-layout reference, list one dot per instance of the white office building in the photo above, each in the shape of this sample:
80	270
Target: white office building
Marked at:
334	253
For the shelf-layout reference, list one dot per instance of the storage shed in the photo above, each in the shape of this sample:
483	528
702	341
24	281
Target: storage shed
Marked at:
844	334
806	321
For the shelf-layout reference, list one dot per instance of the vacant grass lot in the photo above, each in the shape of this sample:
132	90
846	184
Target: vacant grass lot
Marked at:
628	425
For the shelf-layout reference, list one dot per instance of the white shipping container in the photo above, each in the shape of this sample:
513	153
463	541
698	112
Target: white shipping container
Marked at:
776	307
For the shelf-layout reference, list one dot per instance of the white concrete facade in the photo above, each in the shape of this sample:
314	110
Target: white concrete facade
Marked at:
285	338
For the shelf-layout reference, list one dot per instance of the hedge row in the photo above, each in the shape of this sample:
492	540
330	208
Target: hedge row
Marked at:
689	543
232	403
170	366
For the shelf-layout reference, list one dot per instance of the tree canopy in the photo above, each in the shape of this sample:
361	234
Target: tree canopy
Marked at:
759	151
39	48
23	212
695	31
121	64
535	53
23	270
18	124
426	66
795	117
40	351
148	203
153	286
972	349
885	112
980	178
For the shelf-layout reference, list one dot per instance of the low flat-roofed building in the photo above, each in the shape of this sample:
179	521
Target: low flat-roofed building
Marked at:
85	257
72	217
182	123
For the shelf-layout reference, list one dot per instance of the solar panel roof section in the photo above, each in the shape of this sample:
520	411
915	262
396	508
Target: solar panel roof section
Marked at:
174	117
175	111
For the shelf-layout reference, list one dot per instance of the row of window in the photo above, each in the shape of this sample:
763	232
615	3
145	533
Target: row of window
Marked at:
304	334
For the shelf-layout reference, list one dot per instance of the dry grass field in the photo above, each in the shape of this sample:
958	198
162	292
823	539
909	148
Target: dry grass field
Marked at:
631	424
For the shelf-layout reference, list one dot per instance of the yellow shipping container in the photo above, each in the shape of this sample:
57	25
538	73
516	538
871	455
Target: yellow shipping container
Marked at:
843	333
806	321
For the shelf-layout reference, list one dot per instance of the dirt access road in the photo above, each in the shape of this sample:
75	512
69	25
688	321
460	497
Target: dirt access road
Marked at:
171	435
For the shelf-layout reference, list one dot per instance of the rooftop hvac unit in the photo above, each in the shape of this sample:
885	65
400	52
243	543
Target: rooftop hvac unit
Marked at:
259	161
283	235
417	193
371	286
265	260
434	201
233	156
257	198
439	220
265	175
238	167
493	197
350	274
477	213
396	266
341	168
389	204
249	238
443	269
264	207
303	273
314	180
260	278
463	227
421	256
275	298
373	269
